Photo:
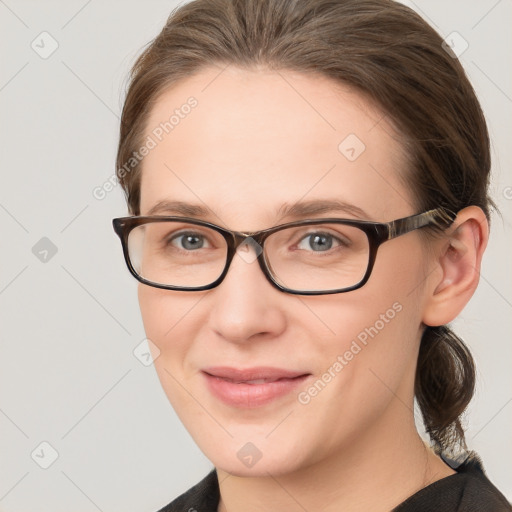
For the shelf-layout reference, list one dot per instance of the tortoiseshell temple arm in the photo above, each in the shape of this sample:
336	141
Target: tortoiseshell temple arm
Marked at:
439	218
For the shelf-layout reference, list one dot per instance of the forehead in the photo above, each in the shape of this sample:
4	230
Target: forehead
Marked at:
243	142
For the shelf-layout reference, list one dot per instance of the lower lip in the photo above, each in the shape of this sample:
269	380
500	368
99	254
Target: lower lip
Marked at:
251	395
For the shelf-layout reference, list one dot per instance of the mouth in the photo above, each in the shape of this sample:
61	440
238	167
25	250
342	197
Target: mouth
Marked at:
251	387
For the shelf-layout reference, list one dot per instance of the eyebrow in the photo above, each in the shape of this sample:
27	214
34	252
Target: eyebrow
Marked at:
179	208
320	206
296	210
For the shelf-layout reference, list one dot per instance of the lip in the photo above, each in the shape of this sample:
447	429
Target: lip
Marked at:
234	387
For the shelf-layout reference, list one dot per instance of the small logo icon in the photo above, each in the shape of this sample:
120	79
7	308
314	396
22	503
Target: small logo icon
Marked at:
44	250
351	147
455	45
44	455
146	352
244	250
249	454
44	45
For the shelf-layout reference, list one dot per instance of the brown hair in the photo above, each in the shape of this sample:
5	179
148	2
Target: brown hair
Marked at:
387	52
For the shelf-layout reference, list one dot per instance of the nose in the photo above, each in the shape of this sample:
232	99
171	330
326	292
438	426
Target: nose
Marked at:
245	304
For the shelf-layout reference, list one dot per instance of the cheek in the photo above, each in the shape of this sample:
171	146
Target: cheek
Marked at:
400	269
361	370
170	326
154	316
368	354
169	323
364	332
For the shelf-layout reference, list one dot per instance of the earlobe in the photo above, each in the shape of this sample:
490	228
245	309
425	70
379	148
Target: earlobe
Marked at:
458	259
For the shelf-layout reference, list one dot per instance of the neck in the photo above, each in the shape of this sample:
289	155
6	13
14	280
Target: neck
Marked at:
377	471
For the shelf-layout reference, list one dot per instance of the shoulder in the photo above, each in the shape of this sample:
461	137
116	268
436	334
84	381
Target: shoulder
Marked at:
202	497
469	490
479	490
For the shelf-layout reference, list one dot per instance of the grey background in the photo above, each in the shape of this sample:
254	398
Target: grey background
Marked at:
69	325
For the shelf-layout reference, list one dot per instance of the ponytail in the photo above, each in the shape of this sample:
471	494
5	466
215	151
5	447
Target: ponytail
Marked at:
444	386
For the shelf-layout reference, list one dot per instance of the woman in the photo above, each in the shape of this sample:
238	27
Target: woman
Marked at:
308	187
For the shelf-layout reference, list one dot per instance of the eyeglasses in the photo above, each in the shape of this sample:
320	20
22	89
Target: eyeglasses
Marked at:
307	257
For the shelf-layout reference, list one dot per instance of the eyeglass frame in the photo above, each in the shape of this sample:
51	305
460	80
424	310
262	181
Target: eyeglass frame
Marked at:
376	232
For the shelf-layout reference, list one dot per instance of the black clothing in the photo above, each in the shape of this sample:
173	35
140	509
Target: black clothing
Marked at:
469	490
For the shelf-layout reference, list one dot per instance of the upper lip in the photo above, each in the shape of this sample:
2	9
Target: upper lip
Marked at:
267	373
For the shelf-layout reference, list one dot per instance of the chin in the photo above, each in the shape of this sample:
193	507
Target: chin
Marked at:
260	469
257	458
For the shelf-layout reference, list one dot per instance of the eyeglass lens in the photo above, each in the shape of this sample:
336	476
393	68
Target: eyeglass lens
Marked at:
323	256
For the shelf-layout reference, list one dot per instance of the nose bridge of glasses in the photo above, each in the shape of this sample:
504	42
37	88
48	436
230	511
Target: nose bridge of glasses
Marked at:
245	241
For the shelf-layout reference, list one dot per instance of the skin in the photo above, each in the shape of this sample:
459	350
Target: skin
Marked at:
256	140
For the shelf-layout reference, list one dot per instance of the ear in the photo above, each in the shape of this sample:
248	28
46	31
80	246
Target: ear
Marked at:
457	267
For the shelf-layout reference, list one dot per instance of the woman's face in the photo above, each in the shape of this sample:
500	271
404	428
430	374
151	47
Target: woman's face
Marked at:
253	142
